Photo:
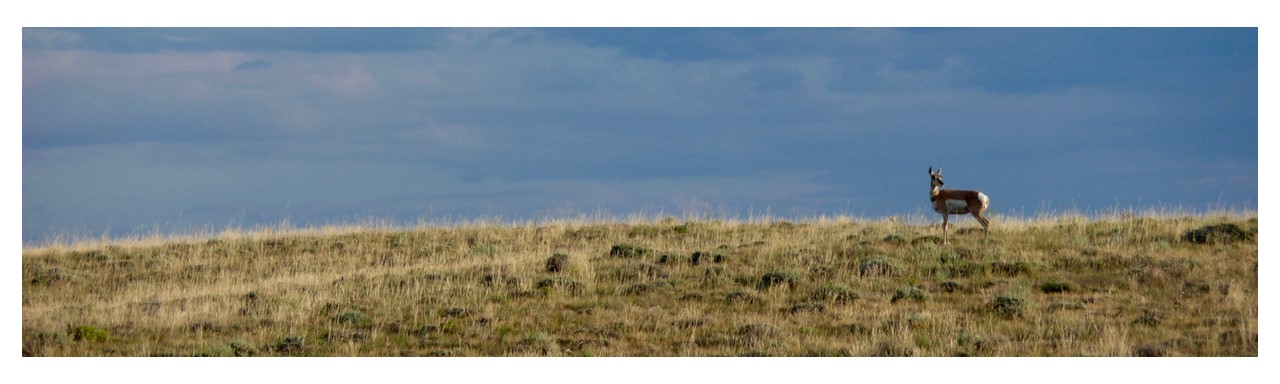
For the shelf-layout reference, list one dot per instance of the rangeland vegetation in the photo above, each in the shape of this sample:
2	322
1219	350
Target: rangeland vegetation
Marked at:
1127	285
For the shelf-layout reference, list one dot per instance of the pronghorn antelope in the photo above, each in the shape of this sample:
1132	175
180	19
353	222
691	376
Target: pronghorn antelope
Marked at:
955	202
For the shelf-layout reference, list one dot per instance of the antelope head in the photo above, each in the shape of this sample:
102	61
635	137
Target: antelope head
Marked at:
936	177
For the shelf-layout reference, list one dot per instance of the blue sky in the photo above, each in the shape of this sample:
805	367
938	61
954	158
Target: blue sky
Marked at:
127	130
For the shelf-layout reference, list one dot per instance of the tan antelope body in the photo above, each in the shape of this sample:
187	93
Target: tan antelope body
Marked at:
957	202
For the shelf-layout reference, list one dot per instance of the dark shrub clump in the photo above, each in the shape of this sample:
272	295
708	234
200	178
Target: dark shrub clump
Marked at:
355	318
1221	233
1008	306
779	278
628	251
558	263
837	293
706	257
291	344
1056	287
878	266
553	283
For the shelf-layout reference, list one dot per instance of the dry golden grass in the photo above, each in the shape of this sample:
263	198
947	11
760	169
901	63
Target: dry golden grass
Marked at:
1129	285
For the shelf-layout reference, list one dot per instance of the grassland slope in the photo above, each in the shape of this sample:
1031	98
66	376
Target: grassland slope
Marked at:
1066	286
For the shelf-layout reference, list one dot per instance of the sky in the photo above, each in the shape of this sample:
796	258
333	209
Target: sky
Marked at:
134	130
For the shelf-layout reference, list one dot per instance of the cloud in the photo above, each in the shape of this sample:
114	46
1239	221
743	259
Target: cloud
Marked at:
773	79
252	65
314	40
40	38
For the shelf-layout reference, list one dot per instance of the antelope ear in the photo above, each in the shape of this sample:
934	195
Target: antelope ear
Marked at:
939	171
930	170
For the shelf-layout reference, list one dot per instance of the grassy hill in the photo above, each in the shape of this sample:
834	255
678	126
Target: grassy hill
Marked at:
1163	285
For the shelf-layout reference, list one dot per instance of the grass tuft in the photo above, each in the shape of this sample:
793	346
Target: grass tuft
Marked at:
630	251
89	333
912	293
